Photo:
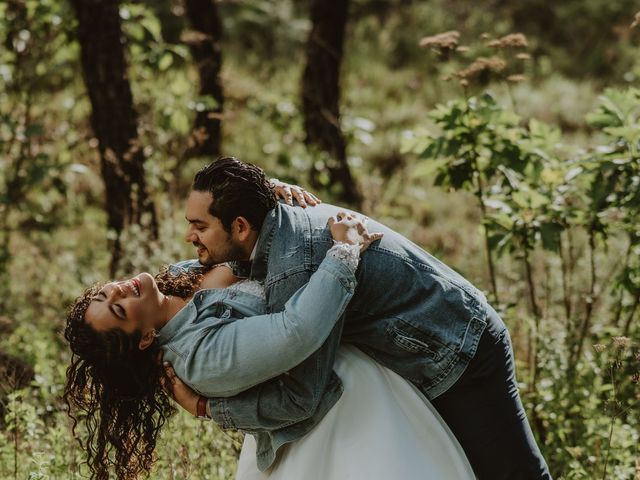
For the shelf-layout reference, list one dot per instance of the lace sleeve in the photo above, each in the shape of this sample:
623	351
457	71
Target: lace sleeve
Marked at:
347	253
253	287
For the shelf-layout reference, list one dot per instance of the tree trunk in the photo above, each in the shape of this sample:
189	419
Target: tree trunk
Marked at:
321	97
171	23
113	118
204	41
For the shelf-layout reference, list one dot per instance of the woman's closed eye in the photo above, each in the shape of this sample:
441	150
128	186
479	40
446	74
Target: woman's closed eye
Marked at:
119	311
116	309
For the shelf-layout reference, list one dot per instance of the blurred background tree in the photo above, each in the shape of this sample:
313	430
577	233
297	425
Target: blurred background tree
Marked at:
114	120
204	41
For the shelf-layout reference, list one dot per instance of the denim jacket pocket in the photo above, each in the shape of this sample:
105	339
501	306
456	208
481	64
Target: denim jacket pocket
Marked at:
408	341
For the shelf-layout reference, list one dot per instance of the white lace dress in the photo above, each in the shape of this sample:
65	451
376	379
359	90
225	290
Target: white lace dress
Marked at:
381	428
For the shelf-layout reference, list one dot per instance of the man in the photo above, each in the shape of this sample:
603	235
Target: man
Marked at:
410	312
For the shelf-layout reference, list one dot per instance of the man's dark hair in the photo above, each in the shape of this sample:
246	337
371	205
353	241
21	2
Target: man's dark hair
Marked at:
238	189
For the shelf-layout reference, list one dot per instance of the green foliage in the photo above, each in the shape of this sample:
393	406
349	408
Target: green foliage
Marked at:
532	192
33	169
553	192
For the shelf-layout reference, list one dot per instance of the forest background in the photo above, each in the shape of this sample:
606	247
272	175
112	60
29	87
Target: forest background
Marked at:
500	135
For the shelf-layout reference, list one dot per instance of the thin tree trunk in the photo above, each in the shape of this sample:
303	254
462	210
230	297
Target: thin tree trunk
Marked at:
321	97
204	41
113	118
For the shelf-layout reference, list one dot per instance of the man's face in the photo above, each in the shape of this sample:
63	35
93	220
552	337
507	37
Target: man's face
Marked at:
213	243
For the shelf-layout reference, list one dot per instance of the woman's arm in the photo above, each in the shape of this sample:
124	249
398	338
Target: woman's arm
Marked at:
236	356
277	403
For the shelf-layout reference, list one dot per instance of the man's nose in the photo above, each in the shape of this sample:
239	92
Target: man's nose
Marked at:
189	235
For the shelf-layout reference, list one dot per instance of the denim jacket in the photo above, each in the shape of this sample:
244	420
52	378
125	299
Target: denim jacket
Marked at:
222	342
410	312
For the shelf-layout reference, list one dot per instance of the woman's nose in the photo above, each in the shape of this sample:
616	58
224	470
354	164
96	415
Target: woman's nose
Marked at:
115	291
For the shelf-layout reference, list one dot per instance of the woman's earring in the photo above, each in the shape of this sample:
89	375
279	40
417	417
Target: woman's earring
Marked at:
155	333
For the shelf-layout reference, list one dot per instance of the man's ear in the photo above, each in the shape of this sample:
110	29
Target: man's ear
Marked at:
147	339
242	228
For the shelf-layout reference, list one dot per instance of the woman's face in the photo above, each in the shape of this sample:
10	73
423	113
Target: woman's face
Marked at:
134	304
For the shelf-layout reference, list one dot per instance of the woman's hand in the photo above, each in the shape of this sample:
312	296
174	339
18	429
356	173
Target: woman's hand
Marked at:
181	393
351	228
288	192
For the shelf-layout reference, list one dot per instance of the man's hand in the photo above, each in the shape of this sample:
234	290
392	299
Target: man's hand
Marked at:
290	192
181	393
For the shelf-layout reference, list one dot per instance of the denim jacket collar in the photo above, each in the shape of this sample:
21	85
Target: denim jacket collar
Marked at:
260	262
245	303
173	326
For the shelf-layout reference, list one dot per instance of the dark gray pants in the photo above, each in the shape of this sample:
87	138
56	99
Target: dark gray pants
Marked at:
485	413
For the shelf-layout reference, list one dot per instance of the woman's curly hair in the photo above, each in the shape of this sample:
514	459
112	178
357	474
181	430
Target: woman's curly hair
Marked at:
115	387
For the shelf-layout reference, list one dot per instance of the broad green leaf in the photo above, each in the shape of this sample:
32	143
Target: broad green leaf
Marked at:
429	167
180	122
166	60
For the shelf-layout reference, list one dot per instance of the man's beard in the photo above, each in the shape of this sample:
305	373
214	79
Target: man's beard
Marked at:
228	253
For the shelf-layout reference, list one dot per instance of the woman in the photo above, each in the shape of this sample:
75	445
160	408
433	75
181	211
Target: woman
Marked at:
114	379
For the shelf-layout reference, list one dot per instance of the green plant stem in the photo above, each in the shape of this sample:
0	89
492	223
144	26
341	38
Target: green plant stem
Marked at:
483	209
619	306
547	289
634	308
586	324
533	339
535	308
512	97
492	273
487	244
613	419
15	438
566	285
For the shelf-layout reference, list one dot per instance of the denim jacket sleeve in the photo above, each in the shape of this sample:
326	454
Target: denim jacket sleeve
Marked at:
246	352
291	398
288	399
